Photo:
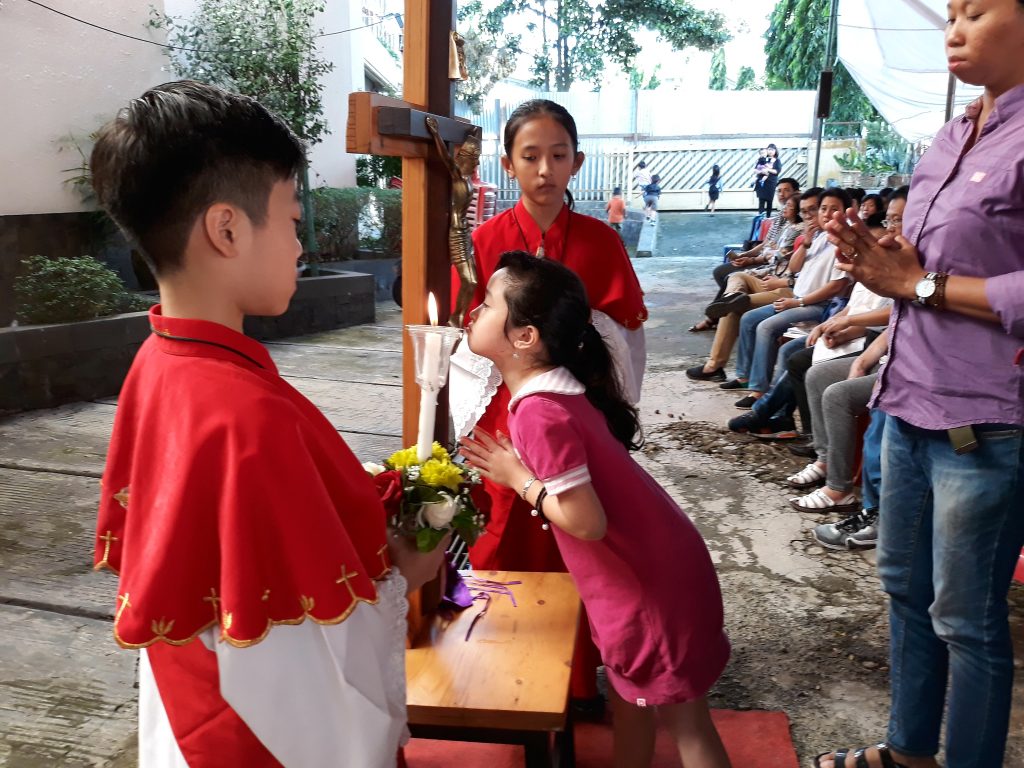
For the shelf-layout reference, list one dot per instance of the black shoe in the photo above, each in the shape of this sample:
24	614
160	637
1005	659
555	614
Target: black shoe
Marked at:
697	373
746	403
733	384
733	302
747	422
806	451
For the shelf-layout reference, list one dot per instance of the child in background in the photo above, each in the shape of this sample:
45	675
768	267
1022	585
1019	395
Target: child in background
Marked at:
641	567
714	188
651	194
616	210
229	504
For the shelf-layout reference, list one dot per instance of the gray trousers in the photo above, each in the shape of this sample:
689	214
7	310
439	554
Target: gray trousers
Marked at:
835	404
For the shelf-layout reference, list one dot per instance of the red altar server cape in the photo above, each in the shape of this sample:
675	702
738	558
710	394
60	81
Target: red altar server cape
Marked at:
586	245
230	502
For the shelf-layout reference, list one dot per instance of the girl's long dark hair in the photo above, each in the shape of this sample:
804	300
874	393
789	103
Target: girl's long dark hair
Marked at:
551	297
535	108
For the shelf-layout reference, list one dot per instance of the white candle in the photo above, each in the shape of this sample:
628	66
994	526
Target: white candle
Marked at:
428	411
431	376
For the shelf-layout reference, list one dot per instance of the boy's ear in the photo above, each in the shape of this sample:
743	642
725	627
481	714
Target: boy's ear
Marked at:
221	224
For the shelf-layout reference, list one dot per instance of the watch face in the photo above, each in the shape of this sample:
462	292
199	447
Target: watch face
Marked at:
924	288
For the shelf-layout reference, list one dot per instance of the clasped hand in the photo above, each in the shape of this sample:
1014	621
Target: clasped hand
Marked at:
889	266
494	457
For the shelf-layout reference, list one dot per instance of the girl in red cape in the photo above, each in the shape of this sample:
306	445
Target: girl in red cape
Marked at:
542	155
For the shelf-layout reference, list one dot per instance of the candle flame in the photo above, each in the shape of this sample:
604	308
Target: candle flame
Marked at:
432	309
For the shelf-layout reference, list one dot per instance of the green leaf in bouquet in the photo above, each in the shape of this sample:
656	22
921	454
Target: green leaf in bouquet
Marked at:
427	539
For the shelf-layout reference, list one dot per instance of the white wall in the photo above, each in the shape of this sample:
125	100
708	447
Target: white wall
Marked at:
61	77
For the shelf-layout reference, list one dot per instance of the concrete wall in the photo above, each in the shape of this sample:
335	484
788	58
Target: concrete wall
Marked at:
64	78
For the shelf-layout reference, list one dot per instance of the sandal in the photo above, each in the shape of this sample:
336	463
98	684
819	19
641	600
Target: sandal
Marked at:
839	758
704	325
819	501
808	477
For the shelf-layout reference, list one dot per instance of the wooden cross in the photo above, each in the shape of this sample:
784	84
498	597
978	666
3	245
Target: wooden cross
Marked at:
381	125
384	126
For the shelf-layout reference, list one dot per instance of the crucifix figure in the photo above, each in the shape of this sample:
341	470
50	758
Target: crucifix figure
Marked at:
460	243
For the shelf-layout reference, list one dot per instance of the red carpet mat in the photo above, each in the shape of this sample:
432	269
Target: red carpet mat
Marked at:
752	739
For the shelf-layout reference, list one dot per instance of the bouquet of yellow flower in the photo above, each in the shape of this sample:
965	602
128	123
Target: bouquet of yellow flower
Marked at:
427	500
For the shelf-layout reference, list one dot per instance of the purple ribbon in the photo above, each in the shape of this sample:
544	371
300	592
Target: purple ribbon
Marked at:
485	589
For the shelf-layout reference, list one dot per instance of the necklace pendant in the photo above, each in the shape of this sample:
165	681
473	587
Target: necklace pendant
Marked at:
540	251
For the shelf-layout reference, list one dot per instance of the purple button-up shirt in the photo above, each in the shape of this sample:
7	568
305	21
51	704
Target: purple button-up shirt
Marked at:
966	216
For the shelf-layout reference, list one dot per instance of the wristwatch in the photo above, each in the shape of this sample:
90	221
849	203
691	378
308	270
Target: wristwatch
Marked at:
930	290
924	288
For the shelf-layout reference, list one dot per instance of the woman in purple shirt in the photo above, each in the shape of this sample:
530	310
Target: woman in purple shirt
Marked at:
952	506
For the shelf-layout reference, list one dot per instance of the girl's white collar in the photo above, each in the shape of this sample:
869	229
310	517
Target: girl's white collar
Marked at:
557	381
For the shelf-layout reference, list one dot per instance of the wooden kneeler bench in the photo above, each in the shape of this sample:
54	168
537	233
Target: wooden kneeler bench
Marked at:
509	682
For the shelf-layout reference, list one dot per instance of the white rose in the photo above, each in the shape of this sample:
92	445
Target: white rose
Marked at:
439	514
373	469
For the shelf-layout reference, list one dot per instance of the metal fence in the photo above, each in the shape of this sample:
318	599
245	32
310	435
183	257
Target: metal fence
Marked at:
682	168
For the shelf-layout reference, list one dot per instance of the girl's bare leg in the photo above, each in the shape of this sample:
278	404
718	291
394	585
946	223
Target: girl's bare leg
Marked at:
634	729
695	734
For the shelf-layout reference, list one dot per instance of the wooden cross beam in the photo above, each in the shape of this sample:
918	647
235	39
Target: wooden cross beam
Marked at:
382	125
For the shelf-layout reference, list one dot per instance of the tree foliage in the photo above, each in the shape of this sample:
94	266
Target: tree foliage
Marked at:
577	38
795	50
261	48
490	57
746	80
716	82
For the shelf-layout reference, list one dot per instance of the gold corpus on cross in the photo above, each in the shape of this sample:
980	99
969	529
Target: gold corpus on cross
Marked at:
346	579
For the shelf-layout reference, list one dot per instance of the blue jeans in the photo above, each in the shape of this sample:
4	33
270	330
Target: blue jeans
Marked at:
951	530
871	468
759	331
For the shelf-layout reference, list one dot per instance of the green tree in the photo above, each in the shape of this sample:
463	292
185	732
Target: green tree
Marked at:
640	81
489	57
747	80
261	48
717	80
579	37
795	54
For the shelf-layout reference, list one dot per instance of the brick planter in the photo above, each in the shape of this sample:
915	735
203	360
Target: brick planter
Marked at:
45	365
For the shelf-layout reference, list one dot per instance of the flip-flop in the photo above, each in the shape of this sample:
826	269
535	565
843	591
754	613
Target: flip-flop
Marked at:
703	325
839	758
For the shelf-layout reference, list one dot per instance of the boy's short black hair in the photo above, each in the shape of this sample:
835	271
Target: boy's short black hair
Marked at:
179	148
791	181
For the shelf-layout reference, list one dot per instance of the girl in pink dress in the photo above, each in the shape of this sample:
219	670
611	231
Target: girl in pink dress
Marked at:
640	566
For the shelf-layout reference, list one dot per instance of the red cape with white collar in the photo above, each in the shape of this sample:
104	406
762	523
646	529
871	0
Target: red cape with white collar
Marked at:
228	499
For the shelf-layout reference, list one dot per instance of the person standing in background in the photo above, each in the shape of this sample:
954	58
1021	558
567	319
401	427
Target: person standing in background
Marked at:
768	176
714	187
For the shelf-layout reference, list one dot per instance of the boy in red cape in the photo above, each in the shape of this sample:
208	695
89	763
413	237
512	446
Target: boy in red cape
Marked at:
257	577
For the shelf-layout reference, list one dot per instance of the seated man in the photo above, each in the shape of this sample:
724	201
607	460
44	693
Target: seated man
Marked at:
818	282
784	190
767	291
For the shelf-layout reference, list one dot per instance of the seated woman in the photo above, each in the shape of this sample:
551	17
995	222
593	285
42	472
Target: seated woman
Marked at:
818	282
759	291
870	206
